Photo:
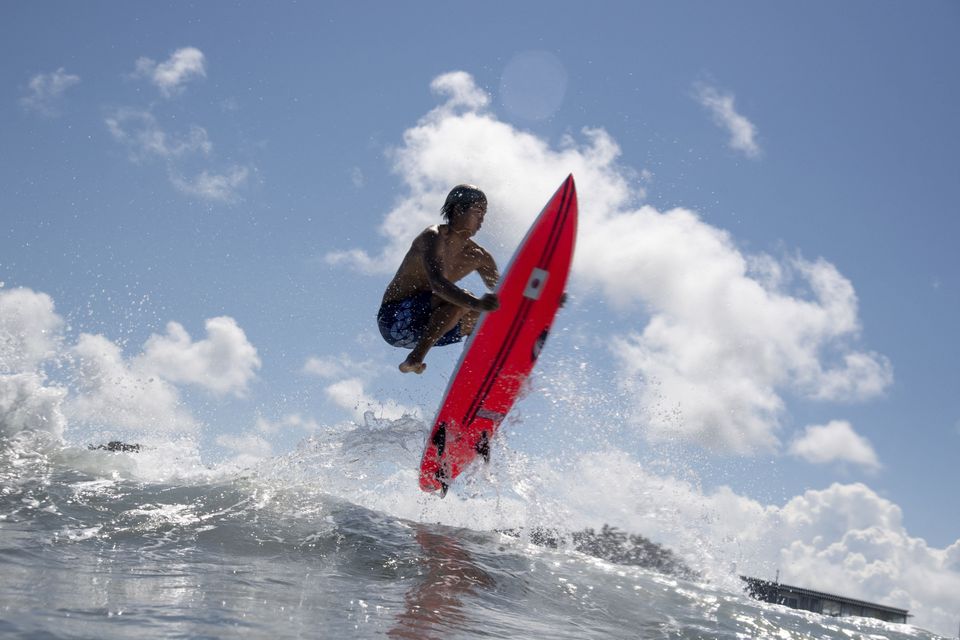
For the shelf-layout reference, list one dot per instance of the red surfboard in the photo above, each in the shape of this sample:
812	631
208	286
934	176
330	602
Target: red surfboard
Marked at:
504	347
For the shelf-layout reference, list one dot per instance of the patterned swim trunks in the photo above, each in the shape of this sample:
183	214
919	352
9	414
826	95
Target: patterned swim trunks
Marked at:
403	322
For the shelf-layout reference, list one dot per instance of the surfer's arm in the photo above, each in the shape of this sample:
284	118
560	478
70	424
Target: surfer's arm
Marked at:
439	283
487	269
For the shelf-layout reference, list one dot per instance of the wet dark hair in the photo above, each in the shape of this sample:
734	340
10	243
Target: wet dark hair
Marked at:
461	198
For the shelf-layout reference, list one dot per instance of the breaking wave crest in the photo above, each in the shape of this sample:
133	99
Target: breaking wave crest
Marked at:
336	536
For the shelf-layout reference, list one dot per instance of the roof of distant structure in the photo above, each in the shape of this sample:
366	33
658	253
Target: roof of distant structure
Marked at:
829	596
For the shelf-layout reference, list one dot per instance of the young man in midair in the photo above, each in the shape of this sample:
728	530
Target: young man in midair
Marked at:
422	305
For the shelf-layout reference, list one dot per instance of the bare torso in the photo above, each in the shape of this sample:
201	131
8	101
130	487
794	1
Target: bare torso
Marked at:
449	255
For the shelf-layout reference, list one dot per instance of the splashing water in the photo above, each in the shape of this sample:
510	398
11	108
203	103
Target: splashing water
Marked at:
332	539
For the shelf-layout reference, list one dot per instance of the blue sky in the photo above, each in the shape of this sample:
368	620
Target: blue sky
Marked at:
766	285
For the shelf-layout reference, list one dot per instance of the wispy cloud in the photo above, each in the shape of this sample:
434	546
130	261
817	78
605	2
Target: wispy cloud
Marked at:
140	132
330	367
145	138
835	442
171	76
46	89
743	133
221	187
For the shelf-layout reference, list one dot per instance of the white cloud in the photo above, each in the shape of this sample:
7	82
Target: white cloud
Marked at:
336	366
460	90
291	421
834	442
224	362
743	133
727	332
113	392
140	132
27	405
324	367
107	389
30	335
347	380
862	376
248	446
723	343
351	395
170	76
357	177
29	330
221	187
459	141
46	89
844	539
853	541
141	392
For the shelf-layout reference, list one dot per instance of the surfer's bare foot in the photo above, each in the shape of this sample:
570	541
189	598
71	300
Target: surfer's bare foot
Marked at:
412	366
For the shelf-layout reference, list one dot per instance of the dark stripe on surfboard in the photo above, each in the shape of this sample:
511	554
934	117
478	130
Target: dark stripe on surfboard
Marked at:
520	319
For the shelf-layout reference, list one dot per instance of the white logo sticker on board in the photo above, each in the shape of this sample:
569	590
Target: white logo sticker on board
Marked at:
538	279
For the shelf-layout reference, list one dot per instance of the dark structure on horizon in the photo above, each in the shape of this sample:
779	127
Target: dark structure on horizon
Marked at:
827	604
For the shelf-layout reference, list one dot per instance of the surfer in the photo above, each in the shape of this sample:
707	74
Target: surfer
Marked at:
422	305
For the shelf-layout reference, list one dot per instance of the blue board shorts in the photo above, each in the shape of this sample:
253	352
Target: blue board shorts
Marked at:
403	322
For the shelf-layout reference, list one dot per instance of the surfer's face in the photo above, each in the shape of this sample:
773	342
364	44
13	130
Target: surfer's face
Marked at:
473	217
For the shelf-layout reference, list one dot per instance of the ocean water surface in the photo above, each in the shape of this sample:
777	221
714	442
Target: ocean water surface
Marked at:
330	541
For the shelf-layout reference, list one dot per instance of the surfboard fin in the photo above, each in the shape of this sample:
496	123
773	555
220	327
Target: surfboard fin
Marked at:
483	446
440	439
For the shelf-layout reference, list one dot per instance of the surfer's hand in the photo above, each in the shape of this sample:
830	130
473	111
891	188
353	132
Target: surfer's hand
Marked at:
489	302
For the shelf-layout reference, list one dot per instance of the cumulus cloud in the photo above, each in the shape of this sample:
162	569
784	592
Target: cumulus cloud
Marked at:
346	386
742	132
723	343
460	141
835	441
110	391
104	387
461	92
27	404
842	539
727	332
29	330
248	448
30	335
46	90
170	76
351	394
224	362
141	392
